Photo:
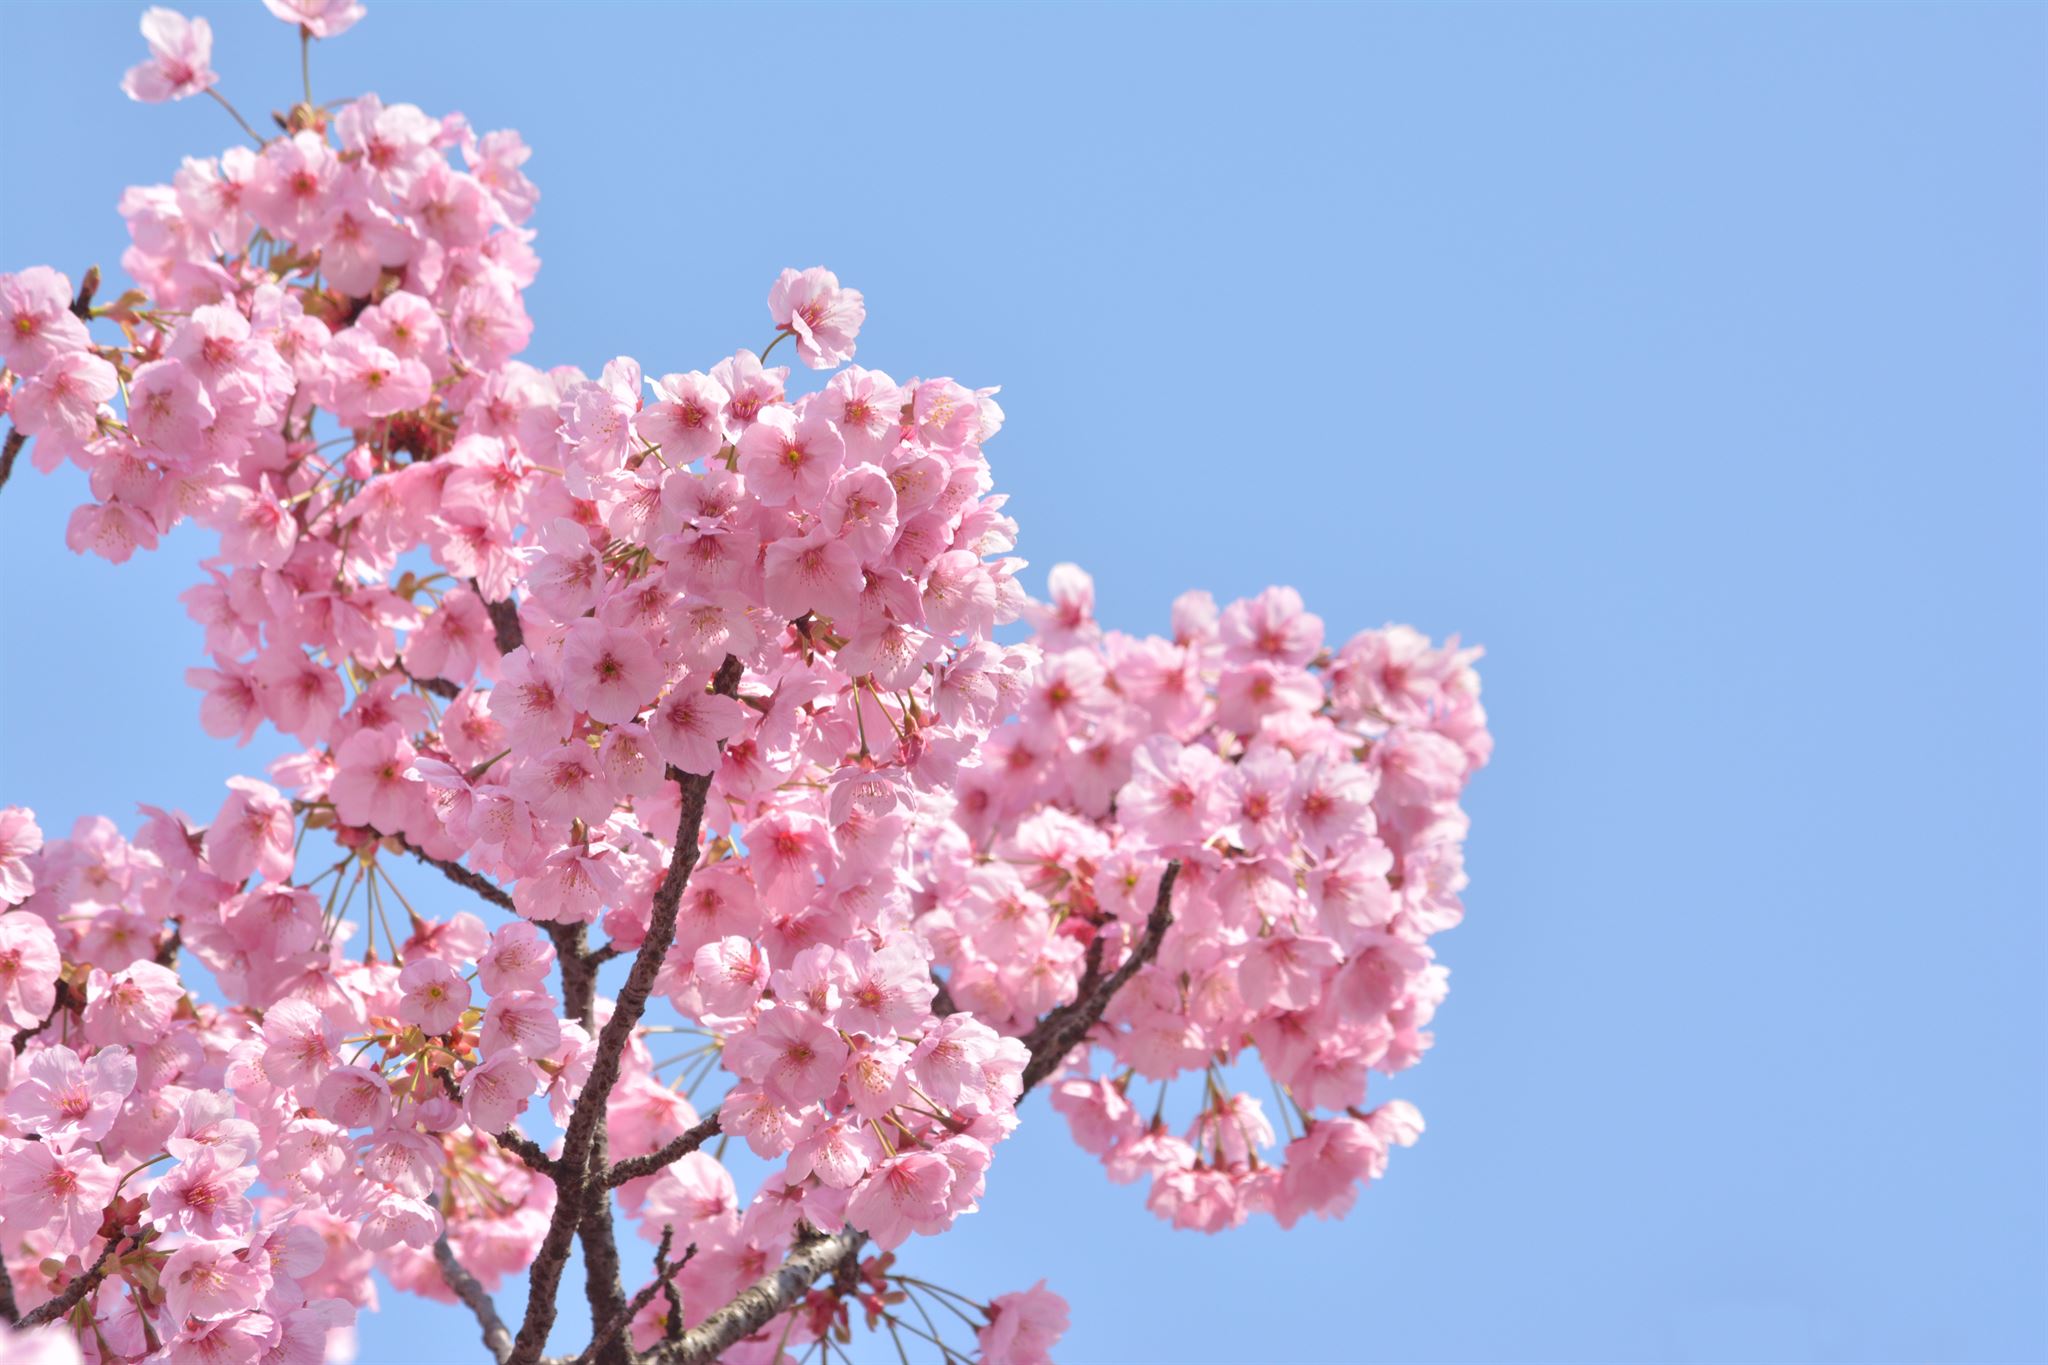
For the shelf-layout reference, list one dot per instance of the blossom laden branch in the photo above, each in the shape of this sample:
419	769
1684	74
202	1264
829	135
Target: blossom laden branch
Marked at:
924	840
775	1293
579	1185
1059	1031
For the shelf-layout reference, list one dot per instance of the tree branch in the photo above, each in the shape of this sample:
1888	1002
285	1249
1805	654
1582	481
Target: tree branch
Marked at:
633	1167
578	1184
664	1278
12	448
760	1302
775	1293
462	876
8	1310
527	1150
504	620
73	1292
497	1337
1060	1030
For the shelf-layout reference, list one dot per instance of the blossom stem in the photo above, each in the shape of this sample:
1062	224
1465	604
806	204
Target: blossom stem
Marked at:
222	101
136	1170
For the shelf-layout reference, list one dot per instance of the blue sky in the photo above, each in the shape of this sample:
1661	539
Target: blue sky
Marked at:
1688	358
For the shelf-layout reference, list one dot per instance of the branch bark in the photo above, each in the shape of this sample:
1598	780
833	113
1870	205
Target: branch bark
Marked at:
679	1146
73	1293
760	1302
462	876
1060	1030
527	1150
663	1282
497	1337
578	1184
8	452
505	625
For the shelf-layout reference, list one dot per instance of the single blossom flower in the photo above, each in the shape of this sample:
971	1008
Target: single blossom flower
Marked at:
180	57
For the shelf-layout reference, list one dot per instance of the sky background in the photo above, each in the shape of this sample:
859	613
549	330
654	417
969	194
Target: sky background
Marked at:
1689	359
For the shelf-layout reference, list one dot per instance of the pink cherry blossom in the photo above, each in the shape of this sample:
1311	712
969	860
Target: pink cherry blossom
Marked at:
20	838
203	1196
373	783
904	1194
690	722
521	1022
790	456
700	675
1023	1327
824	317
29	966
36	322
253	833
62	1191
180	53
794	1056
64	1100
61	405
434	995
611	674
321	18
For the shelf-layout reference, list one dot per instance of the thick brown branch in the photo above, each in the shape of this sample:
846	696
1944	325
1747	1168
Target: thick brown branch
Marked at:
604	1284
8	1310
633	1167
497	1337
760	1302
73	1292
578	1184
8	451
579	972
504	621
775	1293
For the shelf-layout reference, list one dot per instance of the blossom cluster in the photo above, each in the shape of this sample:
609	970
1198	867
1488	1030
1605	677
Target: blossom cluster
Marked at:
710	662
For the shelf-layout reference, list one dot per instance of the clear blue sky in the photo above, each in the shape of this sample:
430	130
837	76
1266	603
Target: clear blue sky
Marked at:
1689	358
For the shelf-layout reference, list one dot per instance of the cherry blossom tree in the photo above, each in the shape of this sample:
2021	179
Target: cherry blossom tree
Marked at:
725	709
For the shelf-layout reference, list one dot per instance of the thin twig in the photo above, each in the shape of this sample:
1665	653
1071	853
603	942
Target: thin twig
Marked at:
462	876
633	1167
527	1150
664	1276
